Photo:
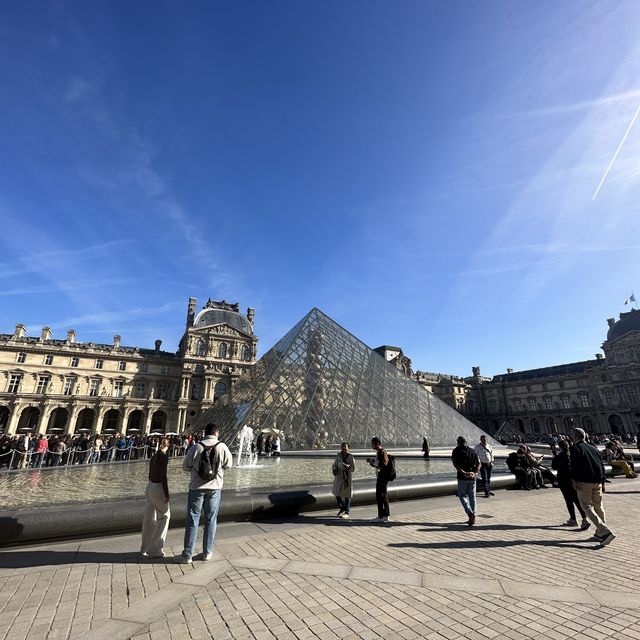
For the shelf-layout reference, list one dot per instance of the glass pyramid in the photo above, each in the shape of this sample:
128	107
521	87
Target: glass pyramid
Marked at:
320	385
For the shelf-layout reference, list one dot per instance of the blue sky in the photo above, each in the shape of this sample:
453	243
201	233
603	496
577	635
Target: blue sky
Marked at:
423	172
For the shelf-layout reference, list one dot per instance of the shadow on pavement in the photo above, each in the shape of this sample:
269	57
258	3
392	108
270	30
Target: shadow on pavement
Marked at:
488	544
26	559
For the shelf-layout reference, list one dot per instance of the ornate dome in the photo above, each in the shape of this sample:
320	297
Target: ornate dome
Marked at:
629	321
211	316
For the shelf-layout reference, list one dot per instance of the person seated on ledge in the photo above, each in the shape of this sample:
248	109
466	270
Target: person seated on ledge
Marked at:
527	462
614	455
525	478
545	473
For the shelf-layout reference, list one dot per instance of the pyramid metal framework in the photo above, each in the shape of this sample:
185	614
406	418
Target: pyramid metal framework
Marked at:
320	385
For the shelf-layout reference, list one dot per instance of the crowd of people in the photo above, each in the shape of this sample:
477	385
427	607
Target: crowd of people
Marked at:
23	451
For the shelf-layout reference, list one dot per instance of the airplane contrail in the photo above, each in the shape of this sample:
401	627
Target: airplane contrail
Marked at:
615	155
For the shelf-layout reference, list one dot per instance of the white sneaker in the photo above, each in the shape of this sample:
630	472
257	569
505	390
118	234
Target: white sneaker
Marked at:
344	516
386	519
182	559
377	520
207	557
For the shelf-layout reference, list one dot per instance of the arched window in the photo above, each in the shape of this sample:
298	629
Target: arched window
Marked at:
222	350
535	426
245	353
201	348
219	390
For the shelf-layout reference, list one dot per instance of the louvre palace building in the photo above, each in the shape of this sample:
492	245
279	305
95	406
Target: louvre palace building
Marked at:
600	395
50	385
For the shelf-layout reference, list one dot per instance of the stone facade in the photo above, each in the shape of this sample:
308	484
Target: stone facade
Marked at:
449	388
395	356
600	395
51	385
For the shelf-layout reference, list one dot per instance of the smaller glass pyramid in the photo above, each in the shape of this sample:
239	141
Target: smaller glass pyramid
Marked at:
320	385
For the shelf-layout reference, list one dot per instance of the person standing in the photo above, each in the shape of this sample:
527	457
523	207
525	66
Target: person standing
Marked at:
343	467
562	464
155	522
383	468
204	495
484	451
425	448
587	474
466	461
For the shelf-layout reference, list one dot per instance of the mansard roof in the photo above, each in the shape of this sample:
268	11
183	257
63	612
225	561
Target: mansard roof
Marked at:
547	372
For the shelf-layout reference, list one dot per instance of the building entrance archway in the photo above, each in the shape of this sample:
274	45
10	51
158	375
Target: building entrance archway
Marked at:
58	420
86	420
135	421
159	421
615	424
4	419
111	421
29	419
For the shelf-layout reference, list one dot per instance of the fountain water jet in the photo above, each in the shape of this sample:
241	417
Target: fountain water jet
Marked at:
246	457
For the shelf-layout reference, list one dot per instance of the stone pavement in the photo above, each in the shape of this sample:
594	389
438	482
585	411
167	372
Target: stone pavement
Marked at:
517	574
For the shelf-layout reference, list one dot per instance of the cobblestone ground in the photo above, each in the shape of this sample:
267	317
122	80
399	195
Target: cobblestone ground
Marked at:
517	574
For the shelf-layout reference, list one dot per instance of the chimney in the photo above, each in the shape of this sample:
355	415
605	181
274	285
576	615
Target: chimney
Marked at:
116	342
599	356
611	322
46	334
20	331
191	311
71	336
251	314
509	370
158	345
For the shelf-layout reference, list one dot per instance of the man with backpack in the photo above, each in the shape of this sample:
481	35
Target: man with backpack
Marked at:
206	461
385	468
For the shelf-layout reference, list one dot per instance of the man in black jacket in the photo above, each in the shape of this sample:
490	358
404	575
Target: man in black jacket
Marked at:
587	474
466	461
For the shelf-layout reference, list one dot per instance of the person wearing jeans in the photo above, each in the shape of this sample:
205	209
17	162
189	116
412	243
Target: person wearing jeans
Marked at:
484	451
466	462
205	501
204	493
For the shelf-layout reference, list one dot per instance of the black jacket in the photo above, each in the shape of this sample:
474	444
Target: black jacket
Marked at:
586	463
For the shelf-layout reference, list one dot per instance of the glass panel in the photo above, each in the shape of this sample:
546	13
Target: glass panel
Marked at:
320	385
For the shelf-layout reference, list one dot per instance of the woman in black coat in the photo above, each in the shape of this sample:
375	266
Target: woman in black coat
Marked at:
562	464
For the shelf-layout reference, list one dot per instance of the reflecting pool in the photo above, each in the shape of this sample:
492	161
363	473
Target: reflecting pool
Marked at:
104	482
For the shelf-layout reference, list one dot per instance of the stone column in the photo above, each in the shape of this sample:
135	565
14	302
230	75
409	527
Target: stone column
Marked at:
14	418
41	426
73	415
147	422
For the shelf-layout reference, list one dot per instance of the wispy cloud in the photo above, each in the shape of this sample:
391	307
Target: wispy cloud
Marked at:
66	287
136	174
42	261
583	106
109	317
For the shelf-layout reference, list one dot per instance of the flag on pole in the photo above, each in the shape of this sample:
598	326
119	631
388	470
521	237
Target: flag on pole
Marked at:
631	298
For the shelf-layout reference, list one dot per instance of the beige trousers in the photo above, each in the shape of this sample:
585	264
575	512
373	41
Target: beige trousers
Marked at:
590	497
155	522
